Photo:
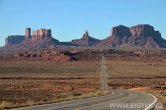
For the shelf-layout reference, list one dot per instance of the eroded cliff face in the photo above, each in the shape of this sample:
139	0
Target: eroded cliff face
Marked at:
40	38
28	33
14	39
121	31
41	34
138	36
143	30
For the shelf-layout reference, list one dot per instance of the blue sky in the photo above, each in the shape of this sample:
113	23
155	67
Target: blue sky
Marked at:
68	19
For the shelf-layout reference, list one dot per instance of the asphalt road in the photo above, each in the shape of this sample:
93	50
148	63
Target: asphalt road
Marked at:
118	100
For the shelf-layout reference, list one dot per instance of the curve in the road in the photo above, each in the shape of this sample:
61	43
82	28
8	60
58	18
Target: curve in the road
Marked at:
102	102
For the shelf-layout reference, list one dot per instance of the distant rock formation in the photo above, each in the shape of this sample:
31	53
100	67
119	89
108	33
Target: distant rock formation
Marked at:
41	34
28	33
41	38
86	40
121	31
138	36
121	36
143	30
14	40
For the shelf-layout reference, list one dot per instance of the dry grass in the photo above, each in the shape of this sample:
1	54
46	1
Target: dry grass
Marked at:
28	83
161	95
79	69
24	83
135	69
48	69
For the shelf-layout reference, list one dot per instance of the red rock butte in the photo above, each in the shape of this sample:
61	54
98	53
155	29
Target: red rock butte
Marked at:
138	36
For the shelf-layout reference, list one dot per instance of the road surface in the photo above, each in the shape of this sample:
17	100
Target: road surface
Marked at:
118	100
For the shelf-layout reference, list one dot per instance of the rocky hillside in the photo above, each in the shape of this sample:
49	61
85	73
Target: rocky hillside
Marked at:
138	36
121	36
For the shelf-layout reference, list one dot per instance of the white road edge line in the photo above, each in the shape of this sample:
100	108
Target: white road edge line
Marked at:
80	100
152	105
21	108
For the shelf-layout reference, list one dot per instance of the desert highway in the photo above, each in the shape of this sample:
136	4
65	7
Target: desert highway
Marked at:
118	100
